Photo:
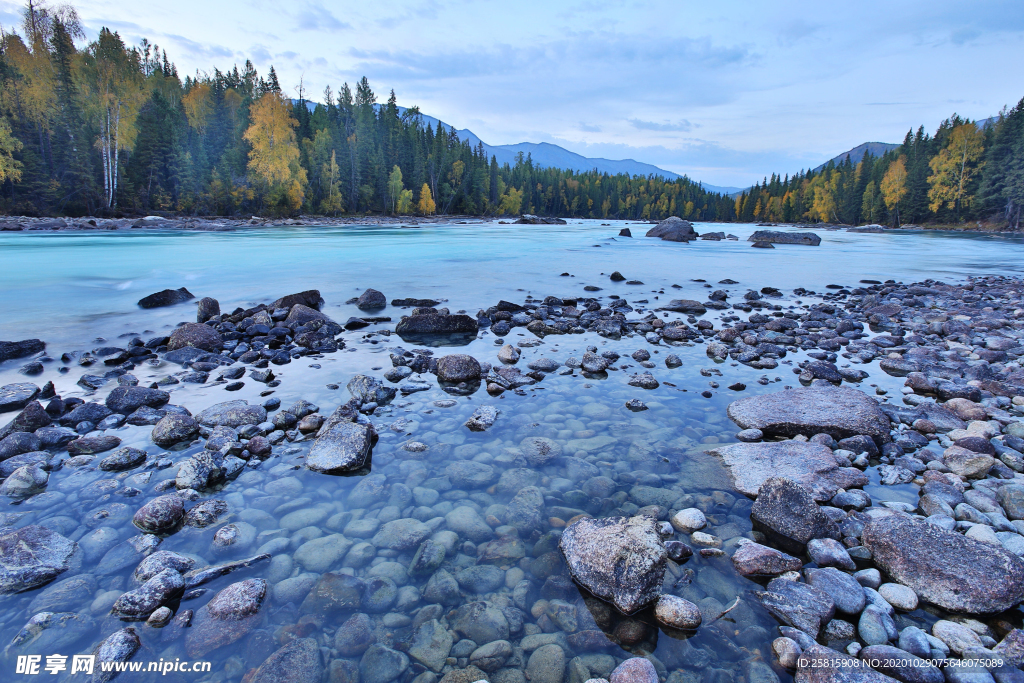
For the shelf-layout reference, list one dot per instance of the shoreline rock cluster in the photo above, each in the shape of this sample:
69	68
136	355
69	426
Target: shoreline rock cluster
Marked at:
503	544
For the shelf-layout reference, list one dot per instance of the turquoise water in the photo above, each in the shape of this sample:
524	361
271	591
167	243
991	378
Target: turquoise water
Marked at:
70	289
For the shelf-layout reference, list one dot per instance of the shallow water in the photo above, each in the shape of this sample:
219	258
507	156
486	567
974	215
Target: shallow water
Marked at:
71	288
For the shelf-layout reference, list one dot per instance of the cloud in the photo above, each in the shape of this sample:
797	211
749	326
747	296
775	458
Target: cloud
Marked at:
588	128
681	126
316	17
964	35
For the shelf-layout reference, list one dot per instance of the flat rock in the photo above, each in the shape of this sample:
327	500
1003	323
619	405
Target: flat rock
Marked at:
807	463
945	568
754	559
779	237
618	559
232	414
33	556
17	396
429	325
9	350
837	411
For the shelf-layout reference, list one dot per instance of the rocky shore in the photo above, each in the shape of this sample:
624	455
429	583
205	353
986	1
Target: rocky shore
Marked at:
827	534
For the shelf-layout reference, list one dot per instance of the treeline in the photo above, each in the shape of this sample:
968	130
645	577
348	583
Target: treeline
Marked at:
104	128
963	172
107	128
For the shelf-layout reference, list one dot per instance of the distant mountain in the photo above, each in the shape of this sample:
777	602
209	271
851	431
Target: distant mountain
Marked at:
857	153
546	155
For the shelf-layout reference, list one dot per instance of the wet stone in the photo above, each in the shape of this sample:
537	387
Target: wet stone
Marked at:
33	556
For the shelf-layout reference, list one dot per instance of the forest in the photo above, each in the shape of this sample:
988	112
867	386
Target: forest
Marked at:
106	129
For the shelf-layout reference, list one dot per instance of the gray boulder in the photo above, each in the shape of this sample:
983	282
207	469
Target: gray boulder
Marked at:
458	367
33	556
174	428
232	414
799	605
299	661
787	513
343	447
197	336
837	411
945	568
673	229
371	300
17	396
618	559
127	400
166	297
778	237
369	390
807	463
435	324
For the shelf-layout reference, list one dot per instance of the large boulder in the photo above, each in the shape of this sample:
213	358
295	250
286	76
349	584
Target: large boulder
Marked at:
197	336
673	229
371	300
618	559
788	515
174	428
207	308
310	298
685	306
9	350
17	396
458	367
343	447
799	605
837	411
810	464
126	400
945	568
232	414
167	297
435	324
778	237
231	614
300	314
299	661
32	556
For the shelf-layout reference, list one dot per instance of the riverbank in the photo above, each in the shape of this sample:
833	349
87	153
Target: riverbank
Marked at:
444	557
228	223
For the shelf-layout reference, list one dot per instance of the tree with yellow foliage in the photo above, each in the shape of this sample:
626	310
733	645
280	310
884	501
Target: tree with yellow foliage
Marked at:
274	155
10	168
894	186
426	205
954	167
511	202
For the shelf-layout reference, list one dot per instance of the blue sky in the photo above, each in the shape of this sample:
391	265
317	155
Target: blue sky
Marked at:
725	91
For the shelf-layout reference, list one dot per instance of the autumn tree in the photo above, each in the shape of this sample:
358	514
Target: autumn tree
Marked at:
119	93
954	168
395	187
274	155
894	186
426	205
10	168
